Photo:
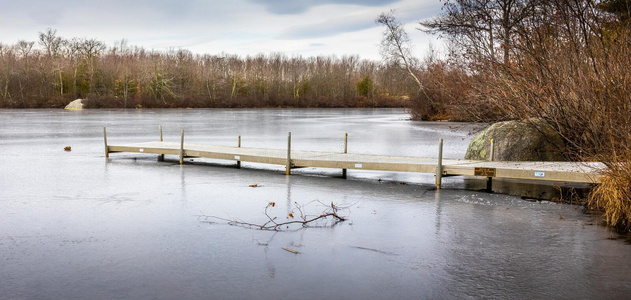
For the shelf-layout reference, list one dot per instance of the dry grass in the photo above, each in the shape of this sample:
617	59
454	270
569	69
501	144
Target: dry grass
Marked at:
613	196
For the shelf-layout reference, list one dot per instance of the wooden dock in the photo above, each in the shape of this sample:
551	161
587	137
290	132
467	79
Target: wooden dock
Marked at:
538	171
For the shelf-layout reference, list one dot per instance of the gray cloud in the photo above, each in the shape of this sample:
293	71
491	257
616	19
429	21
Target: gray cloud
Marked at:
329	28
284	7
20	13
48	16
347	21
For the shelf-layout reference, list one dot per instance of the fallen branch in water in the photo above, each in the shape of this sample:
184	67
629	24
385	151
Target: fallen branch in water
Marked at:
302	218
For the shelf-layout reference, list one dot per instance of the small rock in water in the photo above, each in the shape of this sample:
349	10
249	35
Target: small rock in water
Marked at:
67	148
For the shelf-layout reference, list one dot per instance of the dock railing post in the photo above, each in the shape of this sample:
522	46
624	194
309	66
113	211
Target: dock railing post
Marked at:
492	152
182	148
288	166
489	180
107	150
161	156
439	166
345	151
239	146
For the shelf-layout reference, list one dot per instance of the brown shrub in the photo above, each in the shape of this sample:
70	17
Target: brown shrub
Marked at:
582	90
451	93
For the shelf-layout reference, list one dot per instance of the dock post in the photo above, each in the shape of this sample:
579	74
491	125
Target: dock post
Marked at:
439	166
107	150
288	166
489	180
345	151
161	156
239	145
182	148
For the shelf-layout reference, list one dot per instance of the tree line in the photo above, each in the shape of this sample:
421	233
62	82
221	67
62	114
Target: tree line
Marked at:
54	71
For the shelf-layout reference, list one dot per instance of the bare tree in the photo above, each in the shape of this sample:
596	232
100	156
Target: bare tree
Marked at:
71	51
53	45
620	8
476	25
91	49
24	48
7	54
51	42
395	44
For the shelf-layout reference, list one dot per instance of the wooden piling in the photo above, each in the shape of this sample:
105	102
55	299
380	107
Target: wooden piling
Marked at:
239	146
182	148
107	150
345	151
439	166
489	184
489	180
288	166
161	156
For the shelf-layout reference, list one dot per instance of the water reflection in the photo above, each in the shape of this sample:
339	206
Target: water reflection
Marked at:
183	184
289	202
439	209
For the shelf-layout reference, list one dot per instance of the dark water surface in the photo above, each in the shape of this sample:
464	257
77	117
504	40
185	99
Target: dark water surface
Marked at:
74	225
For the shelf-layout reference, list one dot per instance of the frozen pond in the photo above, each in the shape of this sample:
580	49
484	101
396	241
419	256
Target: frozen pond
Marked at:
74	225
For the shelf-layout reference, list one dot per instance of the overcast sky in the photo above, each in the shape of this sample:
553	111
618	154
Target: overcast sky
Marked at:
306	27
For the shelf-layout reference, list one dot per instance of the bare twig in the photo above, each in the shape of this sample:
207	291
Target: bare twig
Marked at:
302	219
292	251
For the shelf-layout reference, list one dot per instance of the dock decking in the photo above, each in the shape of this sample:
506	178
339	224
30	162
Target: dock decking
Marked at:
541	171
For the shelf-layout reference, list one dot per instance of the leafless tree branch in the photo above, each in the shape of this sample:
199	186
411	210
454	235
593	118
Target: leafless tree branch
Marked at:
297	216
